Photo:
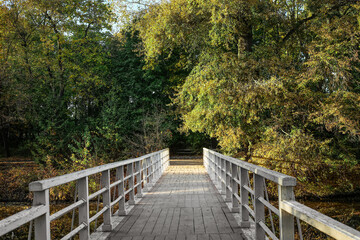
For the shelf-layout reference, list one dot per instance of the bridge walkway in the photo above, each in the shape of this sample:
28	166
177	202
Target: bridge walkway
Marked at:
183	205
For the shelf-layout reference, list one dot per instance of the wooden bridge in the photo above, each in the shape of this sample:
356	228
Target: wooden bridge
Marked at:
218	197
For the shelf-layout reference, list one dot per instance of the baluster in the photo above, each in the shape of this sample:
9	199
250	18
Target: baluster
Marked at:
259	207
235	202
83	193
244	196
228	184
42	223
138	179
286	219
105	182
130	171
121	189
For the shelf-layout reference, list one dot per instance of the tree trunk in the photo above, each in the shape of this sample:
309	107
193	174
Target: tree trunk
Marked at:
5	139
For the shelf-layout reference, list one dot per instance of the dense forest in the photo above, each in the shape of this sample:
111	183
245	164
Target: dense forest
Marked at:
276	82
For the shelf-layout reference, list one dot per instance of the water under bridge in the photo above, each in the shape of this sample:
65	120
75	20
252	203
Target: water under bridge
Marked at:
155	198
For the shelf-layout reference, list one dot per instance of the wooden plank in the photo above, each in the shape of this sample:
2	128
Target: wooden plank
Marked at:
160	223
123	230
137	238
138	226
175	221
169	216
180	237
186	224
203	237
149	226
191	237
224	236
221	220
148	237
170	237
232	221
214	236
122	238
237	236
199	226
209	221
159	237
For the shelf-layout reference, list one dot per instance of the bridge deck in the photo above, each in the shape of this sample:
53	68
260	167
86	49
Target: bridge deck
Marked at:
184	204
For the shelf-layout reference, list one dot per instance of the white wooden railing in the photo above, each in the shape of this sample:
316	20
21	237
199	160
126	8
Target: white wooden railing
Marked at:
139	173
231	175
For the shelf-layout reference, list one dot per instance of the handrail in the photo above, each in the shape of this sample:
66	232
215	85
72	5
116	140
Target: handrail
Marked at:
279	178
11	223
60	180
145	170
231	174
320	221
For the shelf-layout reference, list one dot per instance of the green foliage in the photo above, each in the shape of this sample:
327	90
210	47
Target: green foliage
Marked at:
53	63
136	110
273	79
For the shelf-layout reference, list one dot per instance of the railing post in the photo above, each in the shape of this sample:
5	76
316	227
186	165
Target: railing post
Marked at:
244	196
151	170
83	193
286	219
138	179
214	168
211	161
42	223
121	187
218	167
235	202
168	158
227	172
144	174
130	170
148	172
154	169
259	207
206	161
105	182
223	176
158	167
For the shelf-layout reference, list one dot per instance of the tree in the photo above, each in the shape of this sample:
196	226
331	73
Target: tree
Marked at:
55	54
268	78
137	101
